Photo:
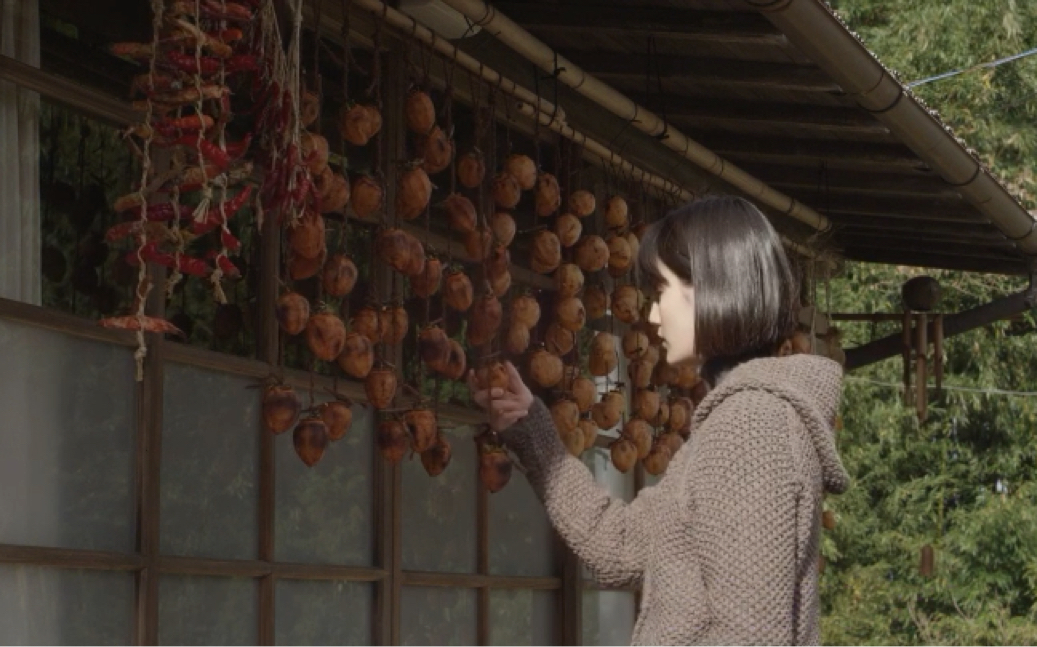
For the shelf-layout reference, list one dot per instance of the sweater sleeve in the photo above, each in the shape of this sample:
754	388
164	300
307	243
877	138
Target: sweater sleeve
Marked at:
744	499
608	535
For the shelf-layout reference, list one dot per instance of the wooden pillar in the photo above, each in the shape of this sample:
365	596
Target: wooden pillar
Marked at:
921	353
389	478
267	350
907	345
148	468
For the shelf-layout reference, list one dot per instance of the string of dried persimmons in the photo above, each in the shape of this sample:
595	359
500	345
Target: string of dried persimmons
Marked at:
583	240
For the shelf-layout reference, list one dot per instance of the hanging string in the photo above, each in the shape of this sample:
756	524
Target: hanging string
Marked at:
316	78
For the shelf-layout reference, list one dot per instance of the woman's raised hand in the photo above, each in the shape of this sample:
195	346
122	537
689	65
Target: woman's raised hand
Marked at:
504	406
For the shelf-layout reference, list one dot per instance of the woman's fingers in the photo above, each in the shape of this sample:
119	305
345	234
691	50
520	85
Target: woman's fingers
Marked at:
515	382
505	407
508	406
500	422
483	398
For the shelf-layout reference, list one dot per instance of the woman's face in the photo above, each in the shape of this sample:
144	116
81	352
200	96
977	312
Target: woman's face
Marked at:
674	313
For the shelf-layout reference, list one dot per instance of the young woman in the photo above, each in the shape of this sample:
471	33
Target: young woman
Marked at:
726	546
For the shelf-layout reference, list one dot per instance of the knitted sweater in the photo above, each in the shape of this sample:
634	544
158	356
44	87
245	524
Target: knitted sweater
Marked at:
726	546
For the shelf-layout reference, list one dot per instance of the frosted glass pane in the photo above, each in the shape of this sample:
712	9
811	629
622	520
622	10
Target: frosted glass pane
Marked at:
439	525
521	538
608	617
522	617
47	606
207	611
210	453
324	512
69	428
323	613
438	616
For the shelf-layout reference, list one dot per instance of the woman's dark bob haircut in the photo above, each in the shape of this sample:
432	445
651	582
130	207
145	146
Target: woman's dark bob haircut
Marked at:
746	297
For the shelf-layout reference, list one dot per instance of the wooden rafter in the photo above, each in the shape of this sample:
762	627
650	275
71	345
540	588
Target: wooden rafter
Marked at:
852	182
696	110
948	242
809	151
729	72
716	26
937	257
930	209
907	227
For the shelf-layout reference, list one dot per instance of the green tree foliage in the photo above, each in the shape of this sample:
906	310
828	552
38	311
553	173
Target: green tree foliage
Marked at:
993	110
963	482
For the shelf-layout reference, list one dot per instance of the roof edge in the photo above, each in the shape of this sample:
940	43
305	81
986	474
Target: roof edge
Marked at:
813	27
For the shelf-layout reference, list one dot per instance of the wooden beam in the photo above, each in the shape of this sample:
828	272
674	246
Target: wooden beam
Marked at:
866	317
926	208
267	351
623	66
852	182
664	22
258	568
936	258
69	558
955	324
476	580
846	228
766	113
808	151
945	242
878	220
907	247
79	97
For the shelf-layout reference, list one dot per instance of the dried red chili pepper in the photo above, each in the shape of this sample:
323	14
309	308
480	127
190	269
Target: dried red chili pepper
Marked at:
214	217
188	265
229	269
163	211
241	63
209	151
239	148
230	241
205	65
227	11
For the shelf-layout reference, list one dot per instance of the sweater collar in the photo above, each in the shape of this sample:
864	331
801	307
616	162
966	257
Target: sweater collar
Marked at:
811	385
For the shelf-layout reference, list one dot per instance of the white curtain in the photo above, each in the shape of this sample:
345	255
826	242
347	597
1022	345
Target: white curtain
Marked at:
19	158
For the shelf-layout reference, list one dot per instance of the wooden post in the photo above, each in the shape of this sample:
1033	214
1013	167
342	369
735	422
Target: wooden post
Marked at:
938	352
953	324
389	505
921	352
267	350
906	354
482	515
571	602
149	466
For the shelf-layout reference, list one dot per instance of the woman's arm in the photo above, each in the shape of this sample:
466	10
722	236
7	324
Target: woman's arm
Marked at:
608	534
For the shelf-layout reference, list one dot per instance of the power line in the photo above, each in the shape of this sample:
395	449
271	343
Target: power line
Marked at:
991	64
963	389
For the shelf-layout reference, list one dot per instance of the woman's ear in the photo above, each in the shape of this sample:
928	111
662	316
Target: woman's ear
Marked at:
688	292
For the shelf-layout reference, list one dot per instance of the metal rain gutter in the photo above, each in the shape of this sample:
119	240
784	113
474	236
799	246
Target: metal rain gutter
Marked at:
818	33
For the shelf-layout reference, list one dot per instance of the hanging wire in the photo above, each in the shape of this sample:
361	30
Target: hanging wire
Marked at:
959	389
972	68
